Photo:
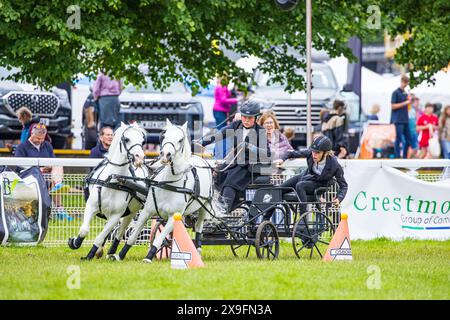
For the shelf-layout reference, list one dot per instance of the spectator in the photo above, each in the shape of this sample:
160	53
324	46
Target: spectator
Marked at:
278	143
222	103
413	115
444	131
106	91
90	109
399	117
289	134
36	146
105	140
374	112
426	124
26	119
333	127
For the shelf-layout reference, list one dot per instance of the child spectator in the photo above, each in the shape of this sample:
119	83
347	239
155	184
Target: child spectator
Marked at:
426	124
374	112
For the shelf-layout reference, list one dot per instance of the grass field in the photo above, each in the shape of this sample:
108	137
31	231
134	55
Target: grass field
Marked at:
408	270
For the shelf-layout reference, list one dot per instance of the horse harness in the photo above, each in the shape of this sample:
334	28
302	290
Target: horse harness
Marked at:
115	185
193	193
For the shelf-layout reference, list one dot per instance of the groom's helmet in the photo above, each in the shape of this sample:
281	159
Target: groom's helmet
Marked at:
321	143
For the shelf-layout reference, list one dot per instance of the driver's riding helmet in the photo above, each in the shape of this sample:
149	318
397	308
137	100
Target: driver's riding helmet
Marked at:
321	143
250	109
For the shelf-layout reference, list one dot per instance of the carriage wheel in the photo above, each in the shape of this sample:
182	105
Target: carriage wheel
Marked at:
312	234
267	242
240	250
166	246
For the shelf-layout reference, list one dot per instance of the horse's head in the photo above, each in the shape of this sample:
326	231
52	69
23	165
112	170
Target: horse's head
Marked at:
174	143
131	140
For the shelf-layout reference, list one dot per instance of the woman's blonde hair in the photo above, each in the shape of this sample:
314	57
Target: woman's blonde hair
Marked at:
375	109
24	112
443	116
269	114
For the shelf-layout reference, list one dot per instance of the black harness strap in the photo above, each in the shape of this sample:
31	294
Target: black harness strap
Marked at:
154	201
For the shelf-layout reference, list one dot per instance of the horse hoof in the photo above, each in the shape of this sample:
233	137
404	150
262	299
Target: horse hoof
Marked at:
99	253
146	260
199	250
114	257
85	259
71	244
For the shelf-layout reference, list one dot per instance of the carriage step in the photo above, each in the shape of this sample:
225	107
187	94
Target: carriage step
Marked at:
214	235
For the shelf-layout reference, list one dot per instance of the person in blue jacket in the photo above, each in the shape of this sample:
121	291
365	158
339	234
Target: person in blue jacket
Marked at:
104	142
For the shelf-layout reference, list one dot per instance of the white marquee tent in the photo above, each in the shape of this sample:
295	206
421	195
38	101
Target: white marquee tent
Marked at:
377	89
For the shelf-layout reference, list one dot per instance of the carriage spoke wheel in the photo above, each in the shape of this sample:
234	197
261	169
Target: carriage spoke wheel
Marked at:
240	250
267	242
166	246
312	234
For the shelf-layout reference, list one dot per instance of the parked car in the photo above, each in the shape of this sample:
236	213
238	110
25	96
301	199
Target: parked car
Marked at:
290	108
150	107
52	107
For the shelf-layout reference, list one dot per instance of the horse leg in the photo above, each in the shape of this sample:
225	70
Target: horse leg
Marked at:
119	235
143	217
158	241
112	221
198	230
89	211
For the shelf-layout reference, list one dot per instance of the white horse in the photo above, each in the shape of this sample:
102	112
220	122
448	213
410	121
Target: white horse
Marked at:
125	158
181	170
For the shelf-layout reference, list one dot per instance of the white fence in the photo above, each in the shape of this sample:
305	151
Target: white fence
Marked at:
68	198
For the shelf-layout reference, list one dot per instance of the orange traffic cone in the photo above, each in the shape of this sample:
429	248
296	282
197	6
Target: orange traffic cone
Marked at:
339	248
184	255
164	252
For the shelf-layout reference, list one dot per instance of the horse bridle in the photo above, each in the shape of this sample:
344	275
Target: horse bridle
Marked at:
181	149
171	143
123	142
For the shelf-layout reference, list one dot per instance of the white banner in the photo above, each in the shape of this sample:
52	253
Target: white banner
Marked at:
385	202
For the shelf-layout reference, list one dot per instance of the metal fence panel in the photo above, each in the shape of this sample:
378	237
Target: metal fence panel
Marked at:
68	199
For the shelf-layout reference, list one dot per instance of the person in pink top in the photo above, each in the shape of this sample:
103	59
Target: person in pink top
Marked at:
426	124
106	91
222	102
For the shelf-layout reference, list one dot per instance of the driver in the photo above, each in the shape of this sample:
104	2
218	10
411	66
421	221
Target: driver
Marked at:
323	169
250	147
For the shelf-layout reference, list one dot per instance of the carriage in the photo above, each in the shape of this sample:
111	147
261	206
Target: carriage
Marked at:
266	213
184	183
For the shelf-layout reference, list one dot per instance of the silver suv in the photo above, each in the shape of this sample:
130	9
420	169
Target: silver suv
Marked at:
290	108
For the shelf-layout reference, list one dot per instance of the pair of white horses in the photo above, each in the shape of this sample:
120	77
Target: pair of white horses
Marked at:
173	170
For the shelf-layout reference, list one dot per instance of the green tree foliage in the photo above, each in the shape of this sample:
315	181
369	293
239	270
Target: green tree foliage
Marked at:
175	37
427	22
